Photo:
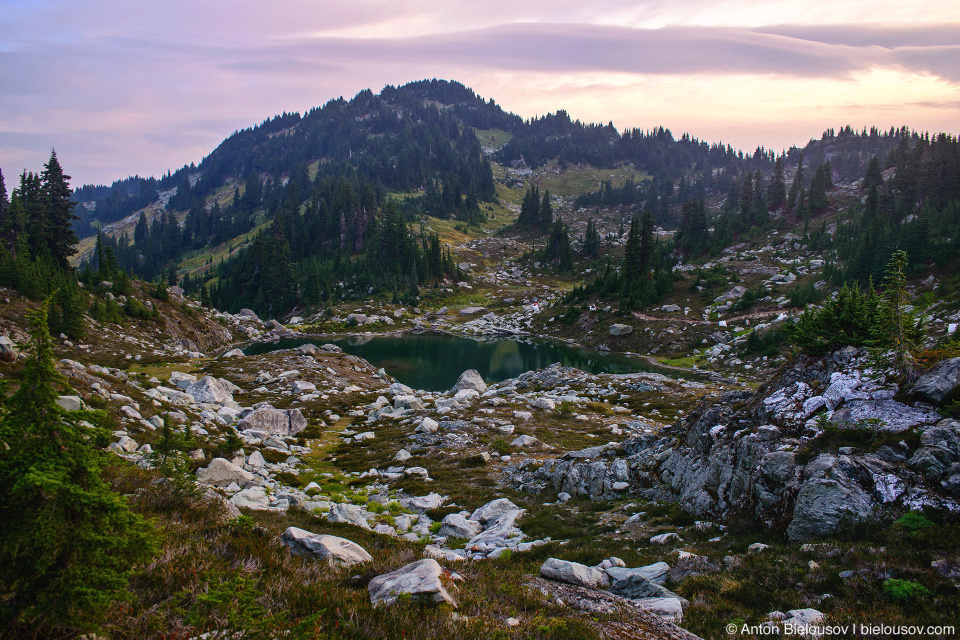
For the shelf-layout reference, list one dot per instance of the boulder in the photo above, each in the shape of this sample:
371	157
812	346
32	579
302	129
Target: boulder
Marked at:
256	460
525	441
288	422
456	526
939	449
70	403
422	580
670	609
828	499
941	383
492	511
302	386
209	389
656	573
428	425
251	498
221	472
181	380
470	379
349	514
8	350
421	504
308	349
233	353
499	531
665	538
337	551
636	586
573	573
620	329
249	313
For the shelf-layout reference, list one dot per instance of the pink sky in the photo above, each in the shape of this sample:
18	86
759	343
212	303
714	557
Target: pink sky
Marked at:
120	89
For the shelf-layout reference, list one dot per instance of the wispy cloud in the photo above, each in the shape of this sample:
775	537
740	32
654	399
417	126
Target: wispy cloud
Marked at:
122	87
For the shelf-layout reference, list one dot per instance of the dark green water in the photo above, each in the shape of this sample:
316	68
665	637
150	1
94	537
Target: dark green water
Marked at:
434	361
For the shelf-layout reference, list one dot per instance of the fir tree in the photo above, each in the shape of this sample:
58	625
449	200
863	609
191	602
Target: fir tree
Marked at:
546	211
777	190
796	185
57	217
69	542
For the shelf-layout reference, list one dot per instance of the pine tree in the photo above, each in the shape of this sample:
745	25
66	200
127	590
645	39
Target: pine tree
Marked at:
58	212
69	542
903	329
646	243
777	190
796	185
631	251
546	212
591	240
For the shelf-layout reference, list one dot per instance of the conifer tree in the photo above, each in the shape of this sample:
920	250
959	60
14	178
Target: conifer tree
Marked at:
646	243
777	190
796	185
546	211
69	542
57	213
631	251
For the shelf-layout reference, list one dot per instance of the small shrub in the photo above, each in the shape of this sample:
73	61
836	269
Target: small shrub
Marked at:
914	521
500	446
904	590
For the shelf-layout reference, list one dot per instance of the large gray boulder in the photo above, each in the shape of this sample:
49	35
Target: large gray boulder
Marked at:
181	380
348	514
573	573
497	533
209	389
470	379
456	526
337	551
941	383
656	572
287	422
221	473
251	498
939	449
422	580
828	500
491	511
620	329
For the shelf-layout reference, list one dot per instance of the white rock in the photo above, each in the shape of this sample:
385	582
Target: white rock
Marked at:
573	573
181	380
251	498
221	472
492	511
338	551
420	579
664	538
457	526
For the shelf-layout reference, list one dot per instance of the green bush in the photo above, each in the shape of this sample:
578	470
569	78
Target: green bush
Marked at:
914	521
904	590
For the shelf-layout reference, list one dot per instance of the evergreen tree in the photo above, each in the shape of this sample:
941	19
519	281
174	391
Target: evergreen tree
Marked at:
631	251
58	212
69	542
546	211
777	190
591	240
796	185
646	243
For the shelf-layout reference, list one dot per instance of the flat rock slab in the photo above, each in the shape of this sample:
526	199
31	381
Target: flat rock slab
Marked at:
421	580
667	608
656	572
338	551
573	573
288	422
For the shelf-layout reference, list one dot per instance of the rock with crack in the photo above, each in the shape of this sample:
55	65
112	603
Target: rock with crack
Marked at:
337	551
421	580
655	573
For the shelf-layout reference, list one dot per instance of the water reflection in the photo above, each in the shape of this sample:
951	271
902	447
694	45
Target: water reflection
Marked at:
434	361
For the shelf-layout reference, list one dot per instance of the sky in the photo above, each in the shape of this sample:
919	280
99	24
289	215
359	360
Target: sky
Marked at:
125	87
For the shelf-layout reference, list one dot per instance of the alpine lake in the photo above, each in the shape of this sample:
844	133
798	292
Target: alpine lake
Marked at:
433	361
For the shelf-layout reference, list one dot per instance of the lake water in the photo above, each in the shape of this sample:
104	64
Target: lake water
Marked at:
434	361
